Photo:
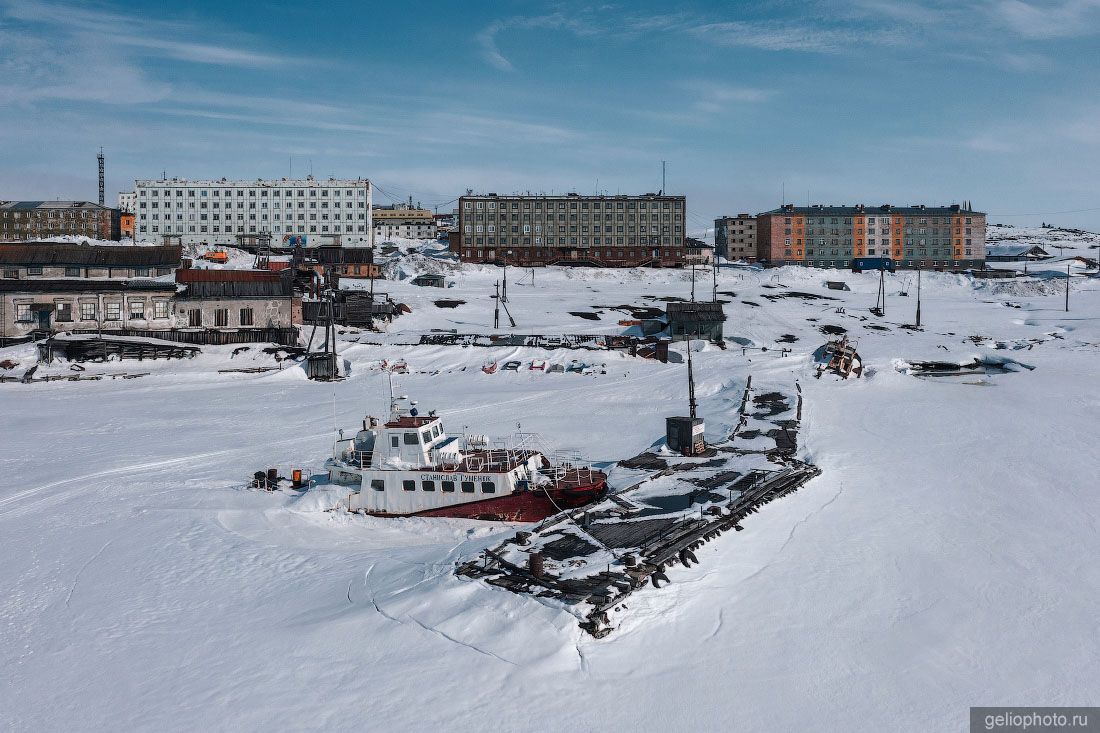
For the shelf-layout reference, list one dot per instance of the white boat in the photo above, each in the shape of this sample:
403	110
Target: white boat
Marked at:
409	465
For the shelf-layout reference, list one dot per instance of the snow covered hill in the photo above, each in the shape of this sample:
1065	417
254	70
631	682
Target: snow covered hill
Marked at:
945	557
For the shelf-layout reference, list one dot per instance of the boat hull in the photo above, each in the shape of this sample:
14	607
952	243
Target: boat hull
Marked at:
520	506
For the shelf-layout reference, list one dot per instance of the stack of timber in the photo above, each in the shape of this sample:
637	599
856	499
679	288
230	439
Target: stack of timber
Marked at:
591	560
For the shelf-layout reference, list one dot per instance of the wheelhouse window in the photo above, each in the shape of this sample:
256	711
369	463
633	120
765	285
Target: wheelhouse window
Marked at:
409	485
411	439
448	487
378	484
467	487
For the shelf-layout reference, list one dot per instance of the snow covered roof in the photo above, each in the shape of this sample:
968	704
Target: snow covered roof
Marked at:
1014	250
919	210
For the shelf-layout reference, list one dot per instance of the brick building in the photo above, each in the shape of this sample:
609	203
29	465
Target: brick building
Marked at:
735	237
929	237
571	229
23	220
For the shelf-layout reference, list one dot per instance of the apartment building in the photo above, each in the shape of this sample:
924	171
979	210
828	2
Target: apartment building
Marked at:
308	211
23	220
928	237
127	202
404	222
735	237
571	229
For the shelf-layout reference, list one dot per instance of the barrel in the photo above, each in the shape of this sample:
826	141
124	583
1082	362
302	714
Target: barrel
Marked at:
272	477
296	477
534	564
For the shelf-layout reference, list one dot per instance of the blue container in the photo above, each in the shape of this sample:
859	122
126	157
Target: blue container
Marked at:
872	263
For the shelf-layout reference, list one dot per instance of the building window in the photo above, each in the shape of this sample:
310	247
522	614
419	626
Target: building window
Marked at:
23	314
160	309
114	311
87	311
246	316
64	312
221	317
137	310
34	270
194	317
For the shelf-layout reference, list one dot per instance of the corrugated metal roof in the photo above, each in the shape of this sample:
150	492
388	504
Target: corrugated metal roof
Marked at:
25	205
84	286
62	254
259	289
193	275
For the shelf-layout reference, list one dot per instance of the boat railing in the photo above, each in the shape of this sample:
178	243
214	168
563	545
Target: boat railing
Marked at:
358	458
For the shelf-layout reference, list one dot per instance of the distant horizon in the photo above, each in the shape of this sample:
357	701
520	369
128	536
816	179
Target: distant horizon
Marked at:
868	101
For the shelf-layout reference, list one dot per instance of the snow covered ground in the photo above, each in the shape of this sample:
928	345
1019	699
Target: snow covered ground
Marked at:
945	558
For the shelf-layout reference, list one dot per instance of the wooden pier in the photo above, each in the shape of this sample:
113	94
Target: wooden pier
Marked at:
593	559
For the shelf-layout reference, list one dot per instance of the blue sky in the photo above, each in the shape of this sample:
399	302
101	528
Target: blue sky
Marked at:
866	101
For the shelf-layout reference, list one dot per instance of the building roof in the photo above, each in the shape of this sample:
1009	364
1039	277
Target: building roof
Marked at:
887	209
31	205
295	182
345	255
193	275
698	312
576	196
75	284
1015	250
694	243
62	254
249	289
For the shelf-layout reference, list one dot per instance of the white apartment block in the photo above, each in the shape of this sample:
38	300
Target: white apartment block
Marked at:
127	202
310	212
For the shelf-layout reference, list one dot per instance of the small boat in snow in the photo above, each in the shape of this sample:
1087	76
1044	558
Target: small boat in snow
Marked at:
400	367
490	368
511	366
538	365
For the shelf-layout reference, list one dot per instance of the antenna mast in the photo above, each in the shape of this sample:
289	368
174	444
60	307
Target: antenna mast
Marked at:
100	159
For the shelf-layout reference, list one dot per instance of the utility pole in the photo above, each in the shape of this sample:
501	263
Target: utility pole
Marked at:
714	272
496	308
918	297
691	384
504	289
692	282
663	176
1067	286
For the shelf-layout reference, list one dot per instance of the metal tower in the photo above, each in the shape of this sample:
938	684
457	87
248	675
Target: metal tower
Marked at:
100	159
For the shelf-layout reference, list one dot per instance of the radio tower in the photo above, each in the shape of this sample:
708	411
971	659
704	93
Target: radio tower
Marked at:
100	159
